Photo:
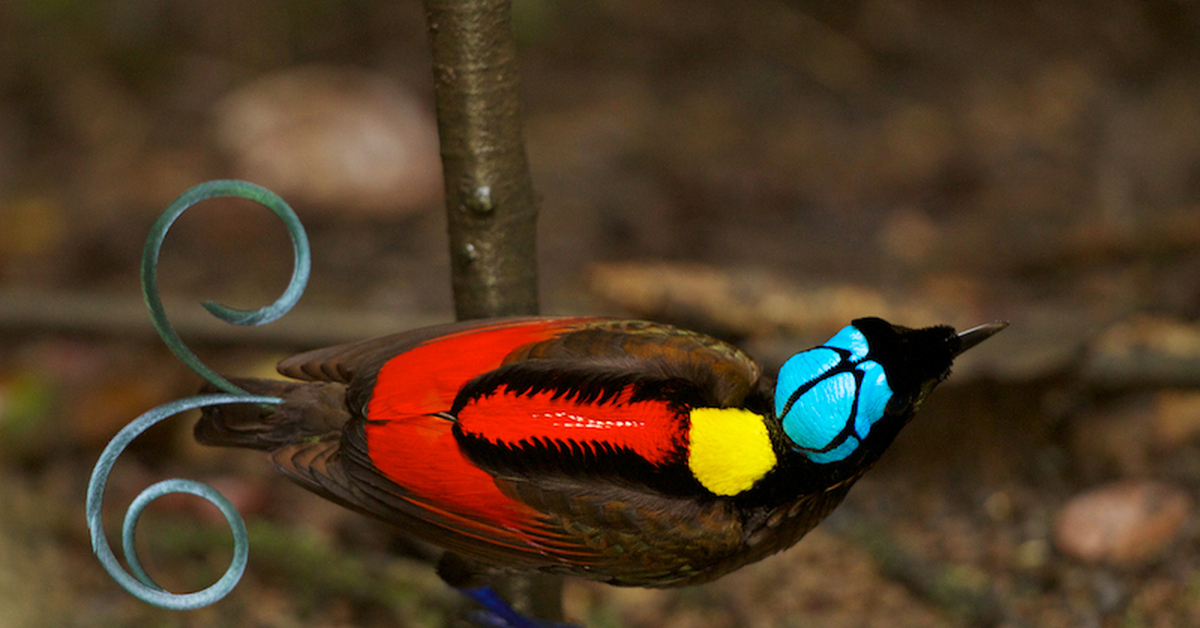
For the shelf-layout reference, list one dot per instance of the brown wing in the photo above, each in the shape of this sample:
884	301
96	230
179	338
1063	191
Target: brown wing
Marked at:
652	351
627	536
397	459
359	362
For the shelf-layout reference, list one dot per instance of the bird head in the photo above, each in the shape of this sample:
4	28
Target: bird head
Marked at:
864	383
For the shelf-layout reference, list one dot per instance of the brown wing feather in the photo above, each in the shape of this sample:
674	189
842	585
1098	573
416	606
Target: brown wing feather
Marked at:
627	536
335	466
484	541
310	411
654	351
345	363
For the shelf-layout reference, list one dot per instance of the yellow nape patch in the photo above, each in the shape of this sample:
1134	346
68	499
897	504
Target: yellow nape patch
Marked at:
729	450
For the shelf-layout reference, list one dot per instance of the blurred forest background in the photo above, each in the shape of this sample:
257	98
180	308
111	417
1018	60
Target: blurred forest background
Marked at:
762	170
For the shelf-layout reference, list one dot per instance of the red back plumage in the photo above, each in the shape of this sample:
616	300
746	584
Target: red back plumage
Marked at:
413	446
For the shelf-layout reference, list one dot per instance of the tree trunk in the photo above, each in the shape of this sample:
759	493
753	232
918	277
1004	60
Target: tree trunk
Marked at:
490	202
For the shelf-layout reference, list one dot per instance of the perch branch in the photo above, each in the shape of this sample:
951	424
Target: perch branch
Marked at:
490	202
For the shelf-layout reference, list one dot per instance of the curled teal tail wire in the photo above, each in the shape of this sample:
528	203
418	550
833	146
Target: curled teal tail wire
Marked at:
139	583
261	316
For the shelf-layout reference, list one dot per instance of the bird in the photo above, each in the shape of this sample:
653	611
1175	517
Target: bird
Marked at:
623	451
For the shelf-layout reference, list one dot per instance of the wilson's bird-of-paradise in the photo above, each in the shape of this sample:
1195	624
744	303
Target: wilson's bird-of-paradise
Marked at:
628	452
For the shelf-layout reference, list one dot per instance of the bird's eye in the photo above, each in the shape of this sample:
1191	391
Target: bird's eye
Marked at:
829	397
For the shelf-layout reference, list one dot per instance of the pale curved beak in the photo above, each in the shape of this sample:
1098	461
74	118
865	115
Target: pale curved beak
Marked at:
976	335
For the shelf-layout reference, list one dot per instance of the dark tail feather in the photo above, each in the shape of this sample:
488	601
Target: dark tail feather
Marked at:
311	411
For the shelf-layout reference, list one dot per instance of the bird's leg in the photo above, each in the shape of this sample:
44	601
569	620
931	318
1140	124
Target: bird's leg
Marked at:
498	613
469	577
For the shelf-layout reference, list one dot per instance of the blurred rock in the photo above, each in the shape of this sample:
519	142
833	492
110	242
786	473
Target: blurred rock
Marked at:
1136	434
825	580
1146	349
744	302
908	237
1126	524
1114	440
771	316
339	138
1176	420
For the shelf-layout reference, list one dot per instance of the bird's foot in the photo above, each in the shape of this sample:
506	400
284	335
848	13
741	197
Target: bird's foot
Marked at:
498	613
